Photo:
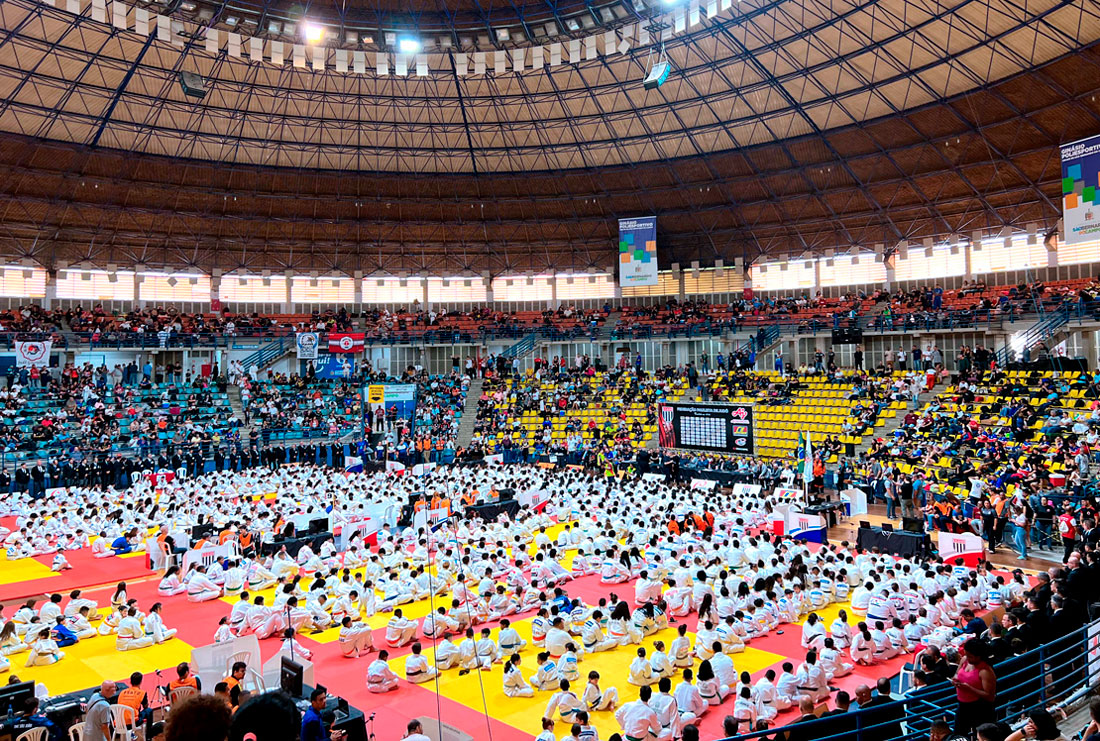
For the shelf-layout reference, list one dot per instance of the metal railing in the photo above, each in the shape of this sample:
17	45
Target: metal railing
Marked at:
1040	332
229	439
1043	677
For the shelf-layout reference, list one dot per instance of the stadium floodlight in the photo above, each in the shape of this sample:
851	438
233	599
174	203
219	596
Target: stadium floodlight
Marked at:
408	45
314	33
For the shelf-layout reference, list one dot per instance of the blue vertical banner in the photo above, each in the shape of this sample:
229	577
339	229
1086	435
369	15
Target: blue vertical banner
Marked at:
638	251
1081	190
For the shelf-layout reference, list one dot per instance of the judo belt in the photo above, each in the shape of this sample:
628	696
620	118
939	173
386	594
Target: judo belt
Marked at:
413	673
634	738
511	646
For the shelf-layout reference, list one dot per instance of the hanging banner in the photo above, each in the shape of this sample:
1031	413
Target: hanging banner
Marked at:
343	342
307	345
31	354
334	367
638	251
1081	190
398	397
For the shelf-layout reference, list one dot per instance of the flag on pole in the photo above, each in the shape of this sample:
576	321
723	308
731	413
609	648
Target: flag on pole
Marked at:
808	462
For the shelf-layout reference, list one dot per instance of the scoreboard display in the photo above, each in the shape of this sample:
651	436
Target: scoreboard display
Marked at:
714	428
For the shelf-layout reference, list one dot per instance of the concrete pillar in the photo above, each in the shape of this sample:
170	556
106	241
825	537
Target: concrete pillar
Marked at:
51	290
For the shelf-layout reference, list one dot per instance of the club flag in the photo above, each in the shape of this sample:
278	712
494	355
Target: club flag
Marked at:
353	464
808	462
446	521
30	354
346	341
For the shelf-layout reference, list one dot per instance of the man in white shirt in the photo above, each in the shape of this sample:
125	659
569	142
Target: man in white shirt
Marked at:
380	678
415	732
637	719
646	590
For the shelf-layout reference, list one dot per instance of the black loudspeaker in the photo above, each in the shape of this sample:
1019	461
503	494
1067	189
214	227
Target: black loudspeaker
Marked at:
193	85
506	494
847	336
912	524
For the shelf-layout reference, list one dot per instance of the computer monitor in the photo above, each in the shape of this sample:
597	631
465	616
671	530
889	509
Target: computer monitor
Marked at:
13	697
887	527
318	525
291	675
865	524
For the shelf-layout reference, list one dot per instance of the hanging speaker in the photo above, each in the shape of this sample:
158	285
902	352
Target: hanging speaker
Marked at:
193	85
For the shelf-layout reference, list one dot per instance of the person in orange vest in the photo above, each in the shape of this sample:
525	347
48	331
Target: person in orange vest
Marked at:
421	504
699	522
184	678
233	682
673	526
138	699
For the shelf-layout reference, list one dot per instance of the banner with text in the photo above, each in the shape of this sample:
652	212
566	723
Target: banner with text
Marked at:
307	345
1081	190
30	354
399	397
638	251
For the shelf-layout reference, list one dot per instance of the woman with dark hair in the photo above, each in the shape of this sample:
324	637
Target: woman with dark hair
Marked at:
975	688
706	609
1040	726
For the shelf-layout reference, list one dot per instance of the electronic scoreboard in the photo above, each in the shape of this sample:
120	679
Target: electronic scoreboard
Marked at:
715	428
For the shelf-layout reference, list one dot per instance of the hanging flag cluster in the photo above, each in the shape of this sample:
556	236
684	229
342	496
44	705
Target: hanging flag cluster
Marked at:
320	58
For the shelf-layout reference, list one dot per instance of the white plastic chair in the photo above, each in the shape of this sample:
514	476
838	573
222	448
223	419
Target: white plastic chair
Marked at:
125	721
76	732
181	693
34	734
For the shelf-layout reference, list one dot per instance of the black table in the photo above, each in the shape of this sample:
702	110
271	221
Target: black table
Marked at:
491	510
293	545
898	542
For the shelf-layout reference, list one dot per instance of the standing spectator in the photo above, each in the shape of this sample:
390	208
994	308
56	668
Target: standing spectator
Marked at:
975	689
1067	528
98	725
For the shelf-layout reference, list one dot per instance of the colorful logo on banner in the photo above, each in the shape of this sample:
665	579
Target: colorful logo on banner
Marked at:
307	345
350	342
638	251
30	354
1081	190
333	366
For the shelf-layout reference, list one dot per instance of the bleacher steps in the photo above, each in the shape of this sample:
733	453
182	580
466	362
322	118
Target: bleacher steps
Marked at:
607	330
469	414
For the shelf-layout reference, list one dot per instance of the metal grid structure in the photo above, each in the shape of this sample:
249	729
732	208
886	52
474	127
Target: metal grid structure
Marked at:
789	126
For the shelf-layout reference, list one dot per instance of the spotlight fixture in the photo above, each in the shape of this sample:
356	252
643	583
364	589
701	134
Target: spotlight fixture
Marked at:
408	45
314	34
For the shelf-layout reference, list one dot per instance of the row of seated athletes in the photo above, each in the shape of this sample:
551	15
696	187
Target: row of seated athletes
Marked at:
559	661
43	632
20	544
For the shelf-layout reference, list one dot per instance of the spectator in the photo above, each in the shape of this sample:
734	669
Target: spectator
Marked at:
98	724
976	689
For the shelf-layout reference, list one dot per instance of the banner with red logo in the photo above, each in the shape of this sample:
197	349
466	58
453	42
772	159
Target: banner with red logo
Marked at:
346	342
30	354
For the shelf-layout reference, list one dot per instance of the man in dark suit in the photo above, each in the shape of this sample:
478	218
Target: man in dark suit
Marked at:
883	718
806	707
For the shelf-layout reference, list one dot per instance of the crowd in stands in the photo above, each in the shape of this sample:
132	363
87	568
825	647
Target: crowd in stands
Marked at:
574	410
927	307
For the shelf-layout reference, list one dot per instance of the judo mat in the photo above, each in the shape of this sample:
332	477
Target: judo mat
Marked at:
474	703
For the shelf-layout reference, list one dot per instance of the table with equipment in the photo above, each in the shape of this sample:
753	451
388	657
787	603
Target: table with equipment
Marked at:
492	510
293	545
896	542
